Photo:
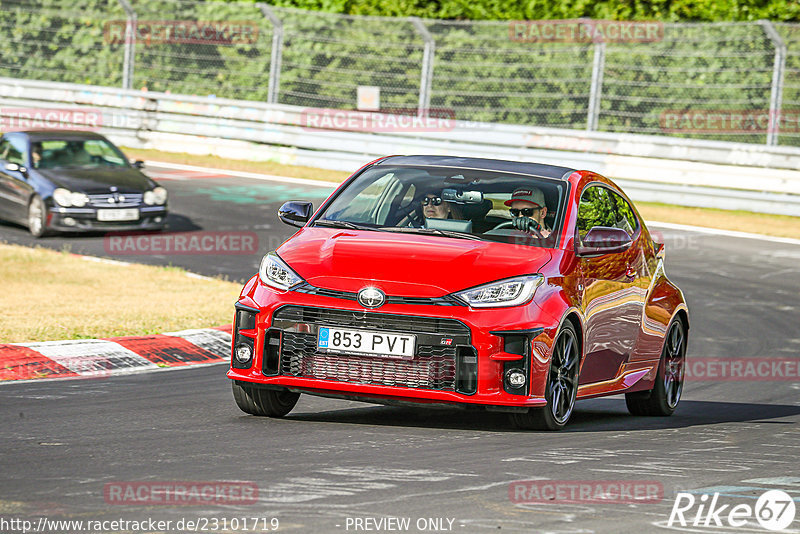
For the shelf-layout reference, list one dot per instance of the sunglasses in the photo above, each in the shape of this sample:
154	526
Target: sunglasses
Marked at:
527	212
435	201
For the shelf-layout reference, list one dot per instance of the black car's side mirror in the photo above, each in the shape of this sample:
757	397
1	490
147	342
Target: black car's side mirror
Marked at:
603	240
16	168
139	164
296	213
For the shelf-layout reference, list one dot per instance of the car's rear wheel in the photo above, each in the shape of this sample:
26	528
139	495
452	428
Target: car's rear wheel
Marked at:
666	393
37	217
263	402
562	386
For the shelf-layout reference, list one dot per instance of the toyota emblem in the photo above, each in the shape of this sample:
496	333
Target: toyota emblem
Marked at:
371	297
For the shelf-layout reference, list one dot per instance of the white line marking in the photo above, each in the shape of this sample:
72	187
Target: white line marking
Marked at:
243	174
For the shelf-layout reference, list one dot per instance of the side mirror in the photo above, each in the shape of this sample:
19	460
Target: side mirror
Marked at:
139	164
16	168
296	213
603	240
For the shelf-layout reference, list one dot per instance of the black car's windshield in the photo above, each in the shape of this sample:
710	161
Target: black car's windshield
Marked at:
58	153
452	202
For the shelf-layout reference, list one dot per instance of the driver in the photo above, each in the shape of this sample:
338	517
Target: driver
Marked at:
528	210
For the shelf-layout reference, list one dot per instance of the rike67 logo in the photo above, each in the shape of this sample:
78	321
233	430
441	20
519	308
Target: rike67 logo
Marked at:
774	510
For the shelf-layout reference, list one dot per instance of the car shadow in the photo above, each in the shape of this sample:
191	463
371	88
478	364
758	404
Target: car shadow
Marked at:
176	223
597	415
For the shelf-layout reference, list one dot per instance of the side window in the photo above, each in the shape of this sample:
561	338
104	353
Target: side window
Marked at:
370	204
625	217
595	209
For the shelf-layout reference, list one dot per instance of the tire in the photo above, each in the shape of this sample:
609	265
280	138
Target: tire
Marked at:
562	386
263	402
663	399
37	217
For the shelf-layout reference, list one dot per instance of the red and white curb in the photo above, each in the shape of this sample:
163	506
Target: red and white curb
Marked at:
97	358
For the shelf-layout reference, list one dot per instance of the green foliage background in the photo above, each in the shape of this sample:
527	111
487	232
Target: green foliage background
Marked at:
665	10
479	72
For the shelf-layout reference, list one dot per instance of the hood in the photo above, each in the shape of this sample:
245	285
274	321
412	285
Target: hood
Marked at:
409	265
98	180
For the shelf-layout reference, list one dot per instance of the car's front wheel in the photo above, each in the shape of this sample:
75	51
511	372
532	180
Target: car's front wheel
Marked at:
666	393
263	402
37	217
562	386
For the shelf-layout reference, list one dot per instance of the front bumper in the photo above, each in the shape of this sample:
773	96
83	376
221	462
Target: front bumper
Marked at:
85	220
467	370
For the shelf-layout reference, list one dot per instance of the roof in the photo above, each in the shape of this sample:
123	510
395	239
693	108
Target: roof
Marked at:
519	167
39	135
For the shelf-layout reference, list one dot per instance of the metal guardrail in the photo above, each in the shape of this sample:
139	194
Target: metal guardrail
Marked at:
680	171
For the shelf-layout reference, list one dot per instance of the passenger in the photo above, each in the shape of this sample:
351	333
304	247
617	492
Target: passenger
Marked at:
528	210
433	207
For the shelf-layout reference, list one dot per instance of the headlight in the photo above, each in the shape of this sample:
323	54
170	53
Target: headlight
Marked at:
156	196
79	200
509	292
275	273
66	198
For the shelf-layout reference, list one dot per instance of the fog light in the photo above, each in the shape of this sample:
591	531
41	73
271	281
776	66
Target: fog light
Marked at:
243	353
68	221
158	219
515	378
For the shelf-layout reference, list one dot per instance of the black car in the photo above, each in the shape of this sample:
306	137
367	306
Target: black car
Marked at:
53	180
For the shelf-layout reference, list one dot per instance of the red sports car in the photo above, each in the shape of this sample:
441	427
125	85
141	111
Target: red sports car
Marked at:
477	283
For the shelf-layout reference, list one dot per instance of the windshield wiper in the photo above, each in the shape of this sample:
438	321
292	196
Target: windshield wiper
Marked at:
436	231
328	223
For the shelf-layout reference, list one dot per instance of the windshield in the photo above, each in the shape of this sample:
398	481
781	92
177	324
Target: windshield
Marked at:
451	202
55	154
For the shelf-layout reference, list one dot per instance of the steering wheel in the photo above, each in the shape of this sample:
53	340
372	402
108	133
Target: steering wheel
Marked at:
510	224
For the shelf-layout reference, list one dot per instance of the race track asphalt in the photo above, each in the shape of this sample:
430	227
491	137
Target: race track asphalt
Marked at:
331	463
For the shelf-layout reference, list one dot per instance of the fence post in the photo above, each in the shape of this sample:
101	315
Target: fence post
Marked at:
776	91
596	89
130	45
276	53
426	78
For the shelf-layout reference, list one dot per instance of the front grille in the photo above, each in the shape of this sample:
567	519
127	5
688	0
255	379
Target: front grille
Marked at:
287	315
434	365
122	200
432	368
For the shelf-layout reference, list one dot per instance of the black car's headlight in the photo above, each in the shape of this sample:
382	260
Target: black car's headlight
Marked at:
157	196
67	198
509	292
275	273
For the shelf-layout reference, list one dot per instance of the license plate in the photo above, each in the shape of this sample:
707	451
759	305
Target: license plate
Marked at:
131	214
358	342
